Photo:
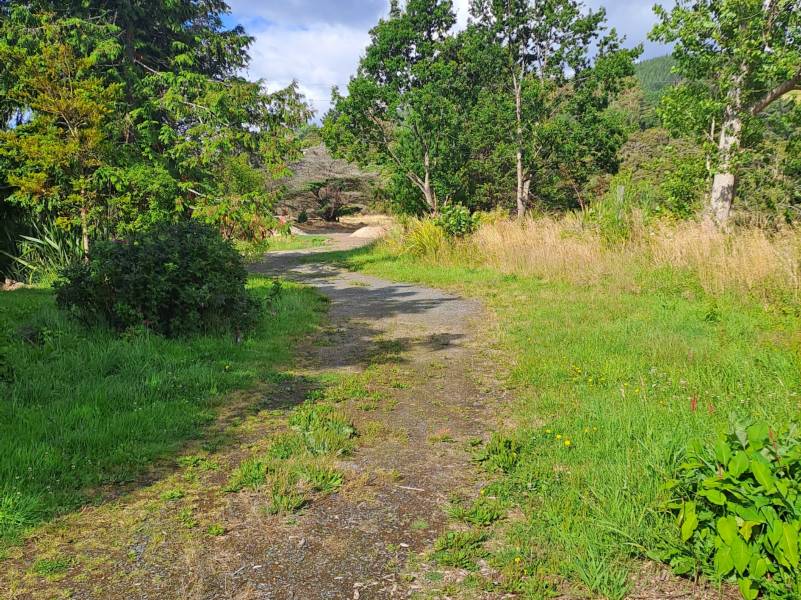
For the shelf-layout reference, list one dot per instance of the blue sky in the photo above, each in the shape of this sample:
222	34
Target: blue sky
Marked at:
319	42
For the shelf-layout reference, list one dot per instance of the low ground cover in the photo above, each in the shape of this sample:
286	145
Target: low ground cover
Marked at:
81	408
615	375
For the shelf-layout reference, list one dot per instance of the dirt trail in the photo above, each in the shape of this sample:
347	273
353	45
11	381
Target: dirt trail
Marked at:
440	393
357	548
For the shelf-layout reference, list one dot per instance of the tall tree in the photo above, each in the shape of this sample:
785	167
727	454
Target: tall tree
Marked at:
398	111
182	111
737	58
547	46
59	72
548	49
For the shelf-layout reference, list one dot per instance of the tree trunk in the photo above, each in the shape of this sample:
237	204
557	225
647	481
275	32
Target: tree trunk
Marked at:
521	183
428	192
724	184
85	233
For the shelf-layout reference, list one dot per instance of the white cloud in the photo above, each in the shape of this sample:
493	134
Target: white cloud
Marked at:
318	57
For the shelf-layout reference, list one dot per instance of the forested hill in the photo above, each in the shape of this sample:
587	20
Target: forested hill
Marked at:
655	76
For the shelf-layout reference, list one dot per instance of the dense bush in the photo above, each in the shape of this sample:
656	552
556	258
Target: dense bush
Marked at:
174	279
456	220
738	508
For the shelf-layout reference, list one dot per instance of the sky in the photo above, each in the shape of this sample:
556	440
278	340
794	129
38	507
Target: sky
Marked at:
319	42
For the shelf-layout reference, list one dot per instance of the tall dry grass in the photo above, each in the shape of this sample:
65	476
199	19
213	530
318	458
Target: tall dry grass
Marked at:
765	264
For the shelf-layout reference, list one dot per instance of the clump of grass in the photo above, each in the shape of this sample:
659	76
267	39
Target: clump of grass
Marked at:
295	464
187	518
49	567
325	432
482	512
174	494
460	549
321	478
215	530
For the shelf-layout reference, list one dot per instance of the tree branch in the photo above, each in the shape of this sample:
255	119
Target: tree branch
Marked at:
794	83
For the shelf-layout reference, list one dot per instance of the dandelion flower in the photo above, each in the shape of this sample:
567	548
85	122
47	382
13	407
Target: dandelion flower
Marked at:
558	436
568	443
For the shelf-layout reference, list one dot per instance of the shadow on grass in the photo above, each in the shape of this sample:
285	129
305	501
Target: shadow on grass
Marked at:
86	414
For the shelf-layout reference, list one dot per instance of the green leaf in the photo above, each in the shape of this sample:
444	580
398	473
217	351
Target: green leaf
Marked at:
789	544
758	566
722	451
746	589
714	496
724	563
762	474
689	522
758	435
738	464
740	554
727	529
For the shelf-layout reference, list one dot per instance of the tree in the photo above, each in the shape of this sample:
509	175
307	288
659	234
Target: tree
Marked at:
59	74
737	58
548	70
399	110
171	129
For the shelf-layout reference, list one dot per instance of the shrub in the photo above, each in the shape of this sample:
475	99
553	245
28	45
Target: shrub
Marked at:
738	512
424	238
456	220
175	279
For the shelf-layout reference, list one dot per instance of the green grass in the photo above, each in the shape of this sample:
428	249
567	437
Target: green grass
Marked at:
82	409
253	251
611	386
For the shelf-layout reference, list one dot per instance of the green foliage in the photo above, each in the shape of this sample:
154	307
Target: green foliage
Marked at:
460	549
48	567
174	279
323	429
738	511
424	237
124	118
42	255
655	77
456	220
482	512
501	453
602	577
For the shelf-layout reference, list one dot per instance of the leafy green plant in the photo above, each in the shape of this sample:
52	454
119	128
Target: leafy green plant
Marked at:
456	220
321	478
501	453
215	530
45	252
460	549
482	512
324	430
47	567
175	279
738	511
173	494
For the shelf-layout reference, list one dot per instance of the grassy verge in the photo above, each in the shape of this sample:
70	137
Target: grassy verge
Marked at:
613	381
253	251
83	409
